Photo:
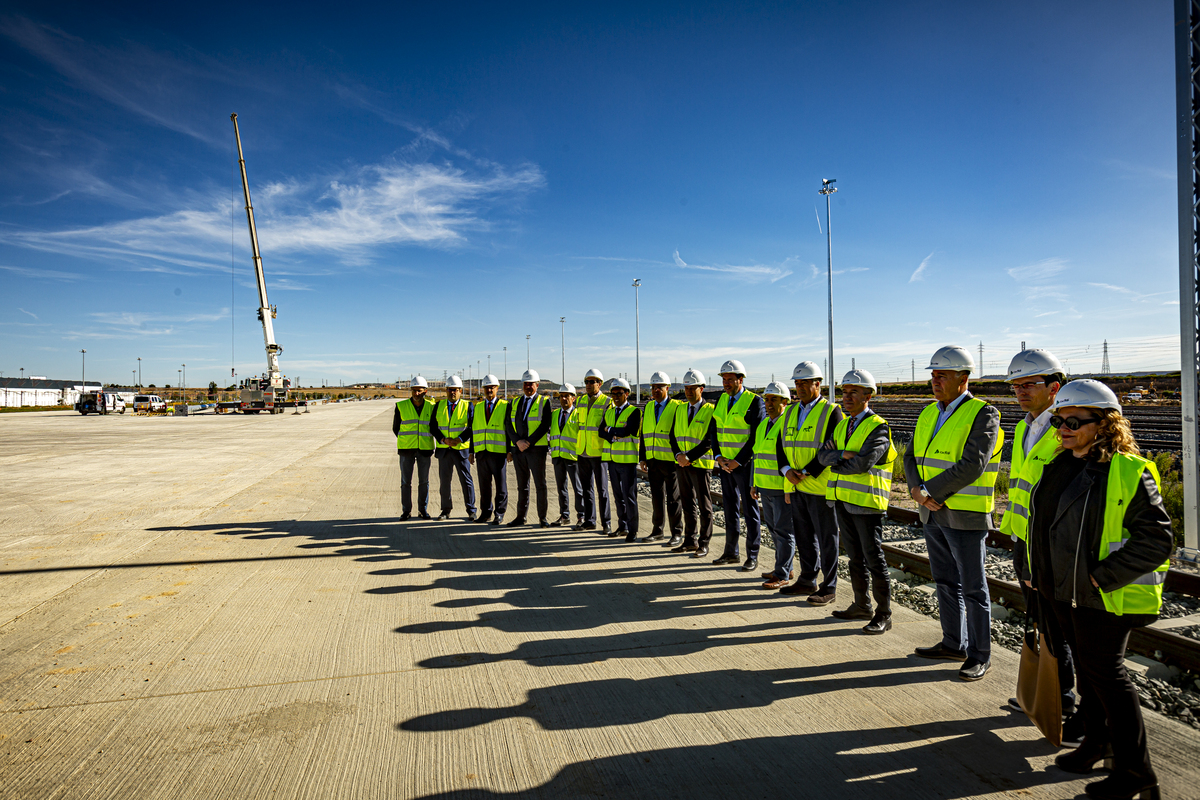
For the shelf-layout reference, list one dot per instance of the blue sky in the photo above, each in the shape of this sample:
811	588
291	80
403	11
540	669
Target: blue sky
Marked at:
434	184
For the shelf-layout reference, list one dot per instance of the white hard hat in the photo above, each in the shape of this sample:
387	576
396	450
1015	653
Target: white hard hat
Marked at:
619	383
859	377
530	376
693	377
952	357
660	378
1028	363
490	380
807	371
1086	393
778	389
593	373
566	388
454	382
732	368
419	382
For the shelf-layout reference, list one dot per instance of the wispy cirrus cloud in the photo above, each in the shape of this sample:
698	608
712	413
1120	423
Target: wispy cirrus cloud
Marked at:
44	274
30	313
130	324
919	272
755	272
1135	296
1039	271
350	215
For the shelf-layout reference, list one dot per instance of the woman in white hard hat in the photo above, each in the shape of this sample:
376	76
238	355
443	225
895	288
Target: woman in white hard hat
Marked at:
1098	546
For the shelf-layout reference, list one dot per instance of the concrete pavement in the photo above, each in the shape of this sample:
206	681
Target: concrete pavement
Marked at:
228	607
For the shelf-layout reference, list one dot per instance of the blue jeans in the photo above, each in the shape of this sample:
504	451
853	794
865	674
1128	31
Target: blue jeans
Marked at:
421	462
735	491
956	561
778	519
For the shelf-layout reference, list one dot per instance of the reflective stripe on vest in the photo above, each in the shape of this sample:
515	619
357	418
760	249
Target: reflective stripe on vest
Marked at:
591	412
414	426
935	453
656	434
565	443
1143	595
689	435
489	437
732	429
452	426
624	449
766	463
870	489
800	444
537	407
1024	473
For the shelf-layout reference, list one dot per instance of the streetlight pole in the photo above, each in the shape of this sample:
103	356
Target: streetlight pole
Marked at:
827	189
83	377
562	321
139	370
184	387
478	377
527	351
637	337
506	373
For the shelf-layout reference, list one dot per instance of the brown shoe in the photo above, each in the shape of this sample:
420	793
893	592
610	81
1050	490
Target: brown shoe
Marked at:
774	584
770	576
822	599
799	587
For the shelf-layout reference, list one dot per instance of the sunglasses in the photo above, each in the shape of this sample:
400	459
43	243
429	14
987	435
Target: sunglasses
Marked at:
1072	423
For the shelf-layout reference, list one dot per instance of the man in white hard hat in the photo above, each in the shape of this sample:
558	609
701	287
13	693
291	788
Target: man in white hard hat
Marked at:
860	461
414	443
489	451
738	413
808	425
593	469
1036	376
951	466
692	442
527	424
451	429
564	455
769	481
620	427
658	420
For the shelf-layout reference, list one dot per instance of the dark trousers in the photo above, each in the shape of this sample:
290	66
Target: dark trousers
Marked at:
815	527
735	491
593	479
693	492
532	461
624	486
956	560
566	478
492	469
664	495
862	536
1109	702
449	462
1038	608
421	462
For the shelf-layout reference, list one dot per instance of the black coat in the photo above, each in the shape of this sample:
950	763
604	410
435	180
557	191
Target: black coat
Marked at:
1073	531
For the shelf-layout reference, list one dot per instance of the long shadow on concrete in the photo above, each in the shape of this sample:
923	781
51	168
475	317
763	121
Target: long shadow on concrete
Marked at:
933	761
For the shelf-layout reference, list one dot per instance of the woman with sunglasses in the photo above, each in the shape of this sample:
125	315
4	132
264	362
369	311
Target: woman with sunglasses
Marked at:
1097	553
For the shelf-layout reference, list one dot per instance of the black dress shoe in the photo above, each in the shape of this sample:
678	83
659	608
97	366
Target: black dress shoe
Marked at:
675	541
631	537
974	669
444	515
750	565
405	516
1072	731
855	611
558	523
583	526
613	534
543	524
471	517
1084	759
683	548
1127	784
939	650
727	560
424	515
605	531
654	537
701	552
879	624
621	529
800	587
516	523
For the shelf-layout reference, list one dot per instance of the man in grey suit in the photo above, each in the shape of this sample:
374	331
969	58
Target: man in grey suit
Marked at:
951	467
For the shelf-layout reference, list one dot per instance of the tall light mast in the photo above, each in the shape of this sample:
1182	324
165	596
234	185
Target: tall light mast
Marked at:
266	311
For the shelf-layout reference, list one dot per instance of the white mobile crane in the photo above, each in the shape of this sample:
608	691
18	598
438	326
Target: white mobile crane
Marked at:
269	391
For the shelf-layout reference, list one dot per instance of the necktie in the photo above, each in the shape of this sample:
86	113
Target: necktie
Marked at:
562	419
850	428
691	413
489	408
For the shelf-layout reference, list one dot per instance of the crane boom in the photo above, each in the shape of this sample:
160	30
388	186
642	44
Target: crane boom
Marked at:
271	388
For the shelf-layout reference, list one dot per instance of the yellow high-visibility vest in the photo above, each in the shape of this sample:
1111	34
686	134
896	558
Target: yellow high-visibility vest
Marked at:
537	410
870	489
1023	474
591	415
452	425
938	452
489	437
623	449
656	434
564	442
414	426
766	461
800	444
689	435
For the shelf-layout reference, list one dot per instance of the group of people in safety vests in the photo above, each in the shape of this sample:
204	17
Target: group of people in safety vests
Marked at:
1092	538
